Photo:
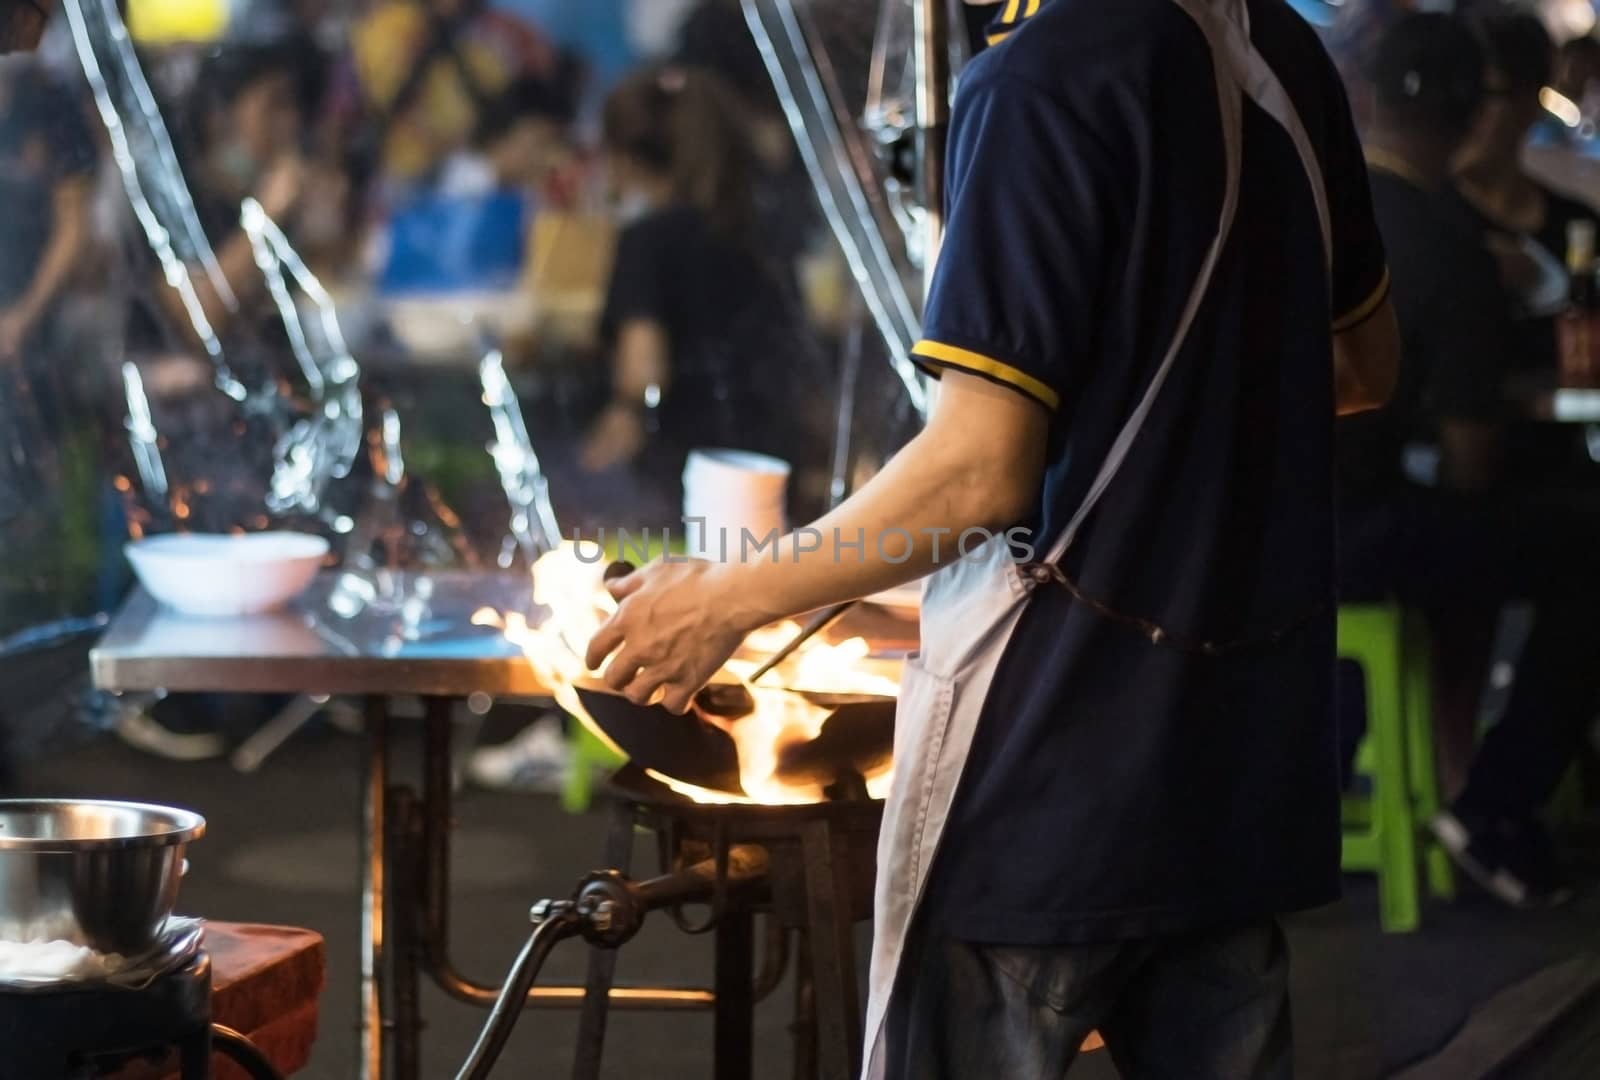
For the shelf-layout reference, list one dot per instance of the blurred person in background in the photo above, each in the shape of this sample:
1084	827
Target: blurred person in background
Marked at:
1353	42
22	23
1524	223
714	37
417	81
241	139
47	161
1426	513
524	142
1577	71
703	334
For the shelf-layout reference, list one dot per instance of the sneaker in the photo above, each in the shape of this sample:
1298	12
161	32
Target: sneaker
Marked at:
1515	862
536	759
140	730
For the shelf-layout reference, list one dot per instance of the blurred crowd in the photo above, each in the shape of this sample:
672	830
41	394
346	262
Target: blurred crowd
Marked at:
621	210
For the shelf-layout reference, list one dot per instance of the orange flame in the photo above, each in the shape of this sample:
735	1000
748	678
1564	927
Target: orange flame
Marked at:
572	592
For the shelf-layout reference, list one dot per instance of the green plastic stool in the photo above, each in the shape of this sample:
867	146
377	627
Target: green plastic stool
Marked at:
1385	833
589	754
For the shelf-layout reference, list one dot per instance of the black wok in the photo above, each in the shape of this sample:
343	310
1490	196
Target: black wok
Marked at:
857	739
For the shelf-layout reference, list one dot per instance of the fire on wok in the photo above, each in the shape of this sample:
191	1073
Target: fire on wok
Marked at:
821	720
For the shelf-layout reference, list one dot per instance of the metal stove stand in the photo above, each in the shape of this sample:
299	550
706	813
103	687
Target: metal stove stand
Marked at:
814	882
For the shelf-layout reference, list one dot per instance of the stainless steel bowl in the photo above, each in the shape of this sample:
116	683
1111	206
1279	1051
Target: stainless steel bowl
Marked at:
101	874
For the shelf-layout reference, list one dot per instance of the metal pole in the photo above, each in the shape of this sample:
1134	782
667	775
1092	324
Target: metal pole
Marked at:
374	892
931	59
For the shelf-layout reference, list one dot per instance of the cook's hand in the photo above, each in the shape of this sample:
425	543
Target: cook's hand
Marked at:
675	626
616	439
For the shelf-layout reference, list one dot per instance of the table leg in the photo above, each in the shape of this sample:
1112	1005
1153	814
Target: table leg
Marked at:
373	891
404	893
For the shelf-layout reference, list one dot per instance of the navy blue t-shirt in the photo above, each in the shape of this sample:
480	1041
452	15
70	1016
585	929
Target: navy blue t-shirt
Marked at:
1119	788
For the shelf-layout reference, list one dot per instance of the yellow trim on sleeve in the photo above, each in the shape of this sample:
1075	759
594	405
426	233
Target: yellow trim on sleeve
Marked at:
1033	9
1363	311
995	39
979	364
1010	14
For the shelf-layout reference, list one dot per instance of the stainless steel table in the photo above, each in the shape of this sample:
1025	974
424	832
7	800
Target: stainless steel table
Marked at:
421	643
424	646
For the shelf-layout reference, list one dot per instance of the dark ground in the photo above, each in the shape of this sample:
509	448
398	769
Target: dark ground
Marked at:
282	848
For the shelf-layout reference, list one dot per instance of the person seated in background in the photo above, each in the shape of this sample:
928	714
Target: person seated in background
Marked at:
523	142
1425	513
1524	224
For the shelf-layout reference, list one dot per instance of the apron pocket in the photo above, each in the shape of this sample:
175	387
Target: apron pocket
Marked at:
921	712
922	719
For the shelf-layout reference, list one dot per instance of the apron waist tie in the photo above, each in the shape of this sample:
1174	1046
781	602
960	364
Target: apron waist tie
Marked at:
1041	573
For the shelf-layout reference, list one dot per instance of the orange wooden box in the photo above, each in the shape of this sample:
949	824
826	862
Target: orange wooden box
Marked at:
265	982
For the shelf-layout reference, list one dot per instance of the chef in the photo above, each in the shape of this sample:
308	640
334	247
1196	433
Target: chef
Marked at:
1116	760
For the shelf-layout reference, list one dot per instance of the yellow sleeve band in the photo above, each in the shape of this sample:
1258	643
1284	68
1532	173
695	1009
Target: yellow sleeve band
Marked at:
978	364
1363	311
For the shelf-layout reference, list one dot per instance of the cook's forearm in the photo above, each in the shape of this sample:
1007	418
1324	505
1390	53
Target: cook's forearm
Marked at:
907	522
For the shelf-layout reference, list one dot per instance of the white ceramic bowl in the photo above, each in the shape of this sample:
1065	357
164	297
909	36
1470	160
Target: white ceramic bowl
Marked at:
209	574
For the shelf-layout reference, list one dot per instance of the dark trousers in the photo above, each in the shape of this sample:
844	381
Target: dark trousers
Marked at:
1461	559
1202	1006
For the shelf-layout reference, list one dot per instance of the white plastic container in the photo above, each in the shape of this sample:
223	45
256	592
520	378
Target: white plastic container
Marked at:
218	575
727	493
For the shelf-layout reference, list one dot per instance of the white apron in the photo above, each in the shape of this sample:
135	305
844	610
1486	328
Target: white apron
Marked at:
971	608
